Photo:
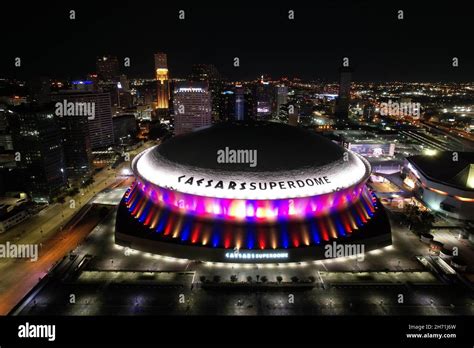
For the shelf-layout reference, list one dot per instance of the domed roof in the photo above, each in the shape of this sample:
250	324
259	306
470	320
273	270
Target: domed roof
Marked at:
258	160
278	146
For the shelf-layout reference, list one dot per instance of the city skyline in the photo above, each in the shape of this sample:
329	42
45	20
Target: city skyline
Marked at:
237	159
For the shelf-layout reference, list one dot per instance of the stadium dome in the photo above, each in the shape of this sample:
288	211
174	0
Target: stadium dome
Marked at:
252	189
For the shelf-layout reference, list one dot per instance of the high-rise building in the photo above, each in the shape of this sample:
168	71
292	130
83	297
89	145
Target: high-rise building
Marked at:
228	105
281	97
162	78
264	97
244	103
8	180
192	106
239	103
6	142
37	140
99	124
77	146
108	68
344	98
125	129
208	73
39	90
235	103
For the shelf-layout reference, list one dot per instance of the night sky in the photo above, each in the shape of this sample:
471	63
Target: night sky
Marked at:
381	48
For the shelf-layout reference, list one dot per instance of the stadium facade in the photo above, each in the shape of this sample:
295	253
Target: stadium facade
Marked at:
250	192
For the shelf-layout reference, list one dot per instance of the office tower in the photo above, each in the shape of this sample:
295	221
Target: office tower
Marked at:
281	97
344	98
37	140
6	141
208	73
264	98
162	78
244	103
125	129
39	90
239	103
124	83
192	106
228	105
8	180
107	68
77	146
99	124
108	79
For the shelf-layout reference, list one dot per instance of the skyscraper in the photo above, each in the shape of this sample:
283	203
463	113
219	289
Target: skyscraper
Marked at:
107	68
192	106
264	98
77	146
39	90
99	126
282	97
244	103
37	140
208	73
162	78
9	181
344	98
239	103
228	105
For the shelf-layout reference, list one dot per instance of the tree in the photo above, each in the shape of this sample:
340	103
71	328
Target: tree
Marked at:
279	279
233	278
264	279
295	279
249	279
217	279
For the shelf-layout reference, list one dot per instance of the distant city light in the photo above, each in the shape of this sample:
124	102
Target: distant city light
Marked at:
81	82
126	171
430	152
190	89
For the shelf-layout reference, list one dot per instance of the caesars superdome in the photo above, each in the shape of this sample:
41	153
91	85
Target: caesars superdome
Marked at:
249	192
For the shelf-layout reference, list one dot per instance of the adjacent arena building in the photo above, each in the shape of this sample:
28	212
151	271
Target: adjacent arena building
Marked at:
444	182
250	192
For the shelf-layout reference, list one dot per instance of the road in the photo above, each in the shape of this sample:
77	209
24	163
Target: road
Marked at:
55	237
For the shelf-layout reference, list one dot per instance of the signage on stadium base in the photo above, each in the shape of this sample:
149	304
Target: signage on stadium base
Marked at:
256	255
